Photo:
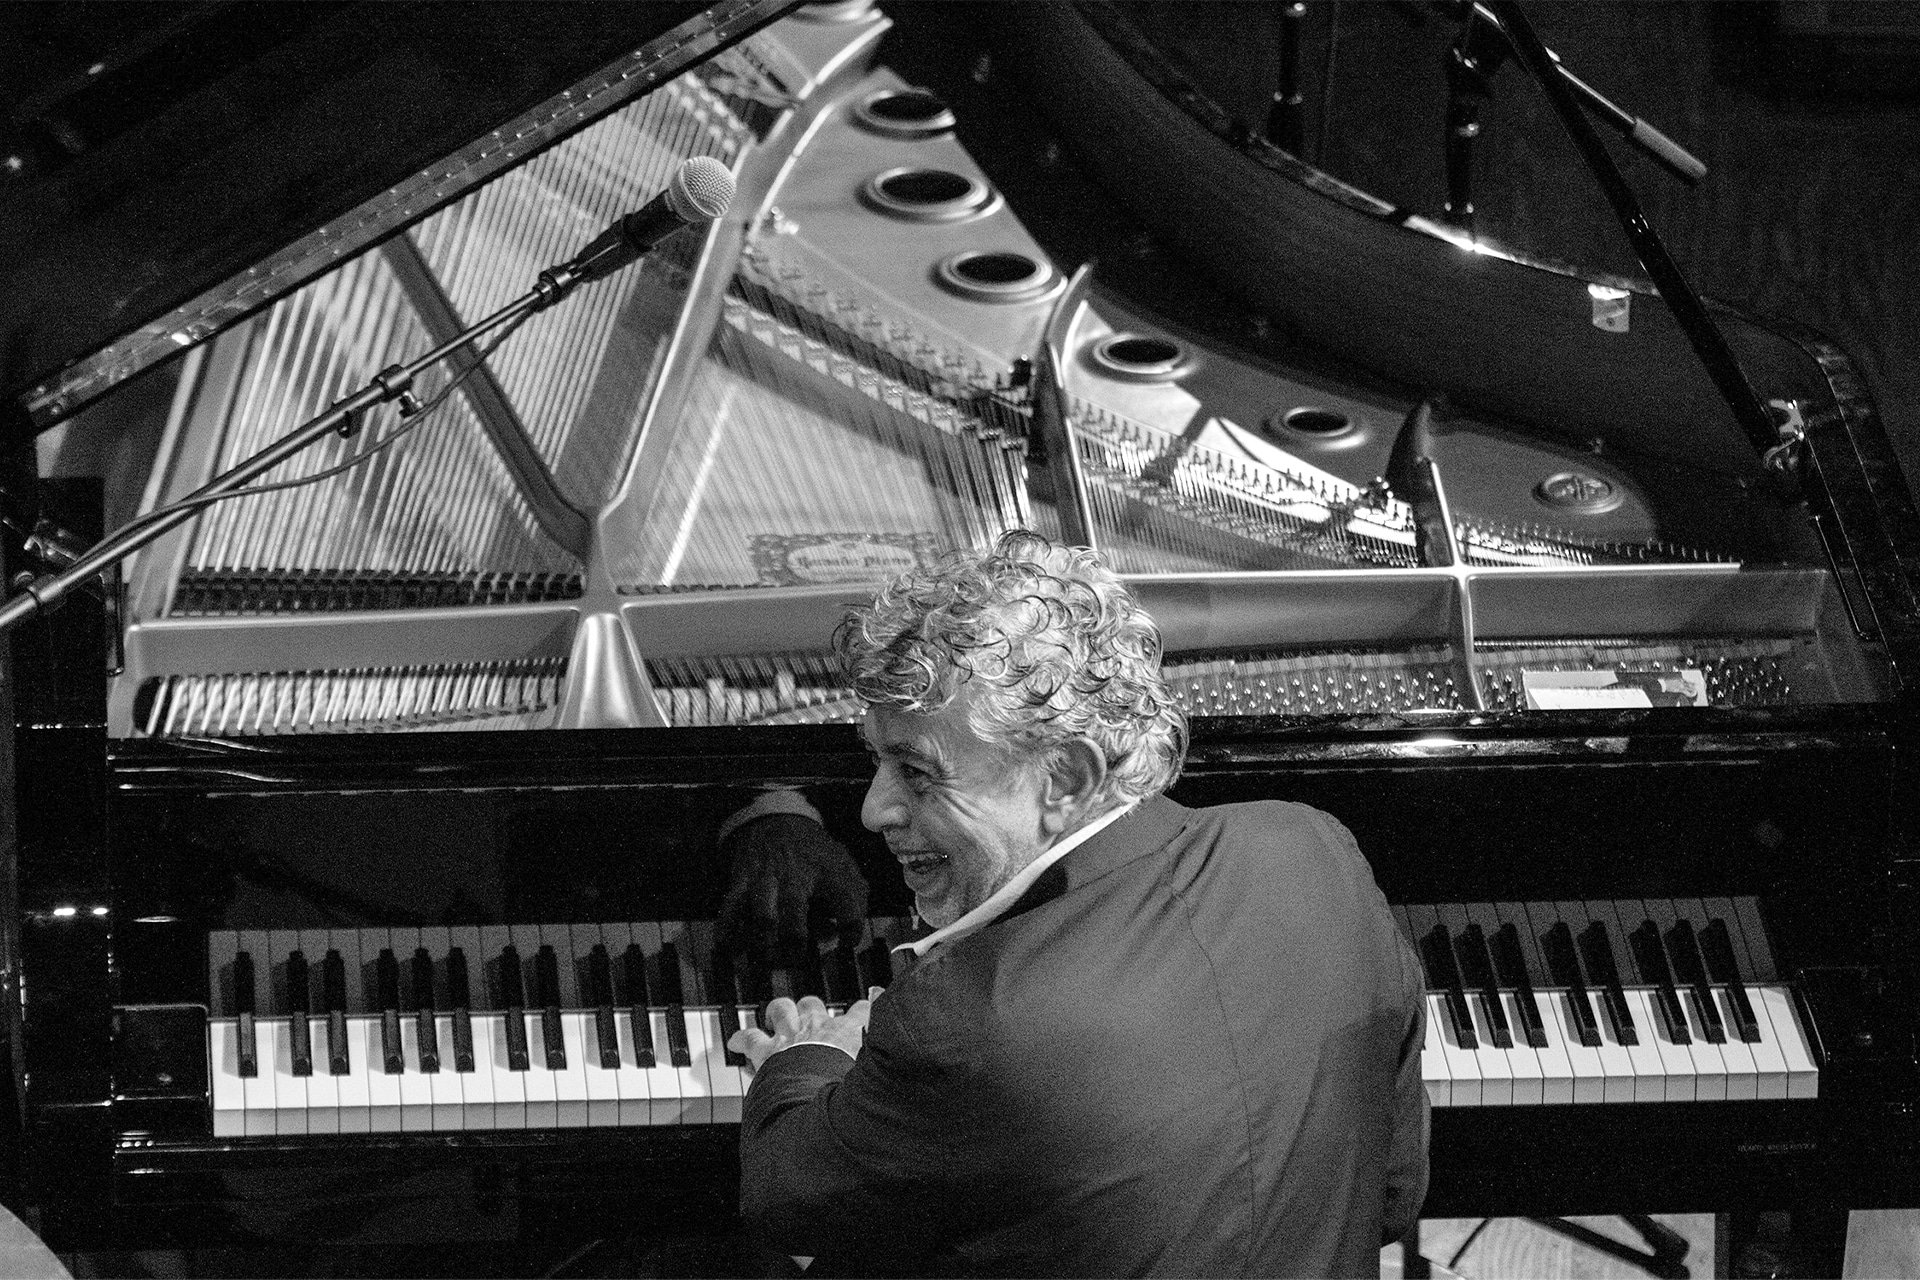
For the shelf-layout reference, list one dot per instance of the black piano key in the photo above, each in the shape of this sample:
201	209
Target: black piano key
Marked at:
1521	916
1476	965
1443	977
600	992
839	974
546	978
633	965
335	998
299	1005
1650	954
1596	948
386	981
460	1008
243	1007
333	985
758	986
672	990
1749	938
1510	966
1718	949
426	1029
513	999
1684	946
727	995
1563	960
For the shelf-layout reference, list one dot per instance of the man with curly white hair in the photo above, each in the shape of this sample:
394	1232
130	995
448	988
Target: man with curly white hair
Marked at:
1141	1038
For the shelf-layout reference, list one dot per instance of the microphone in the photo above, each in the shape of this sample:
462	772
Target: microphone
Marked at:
700	191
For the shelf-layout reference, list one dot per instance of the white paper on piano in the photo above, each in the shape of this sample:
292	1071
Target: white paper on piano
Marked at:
1599	690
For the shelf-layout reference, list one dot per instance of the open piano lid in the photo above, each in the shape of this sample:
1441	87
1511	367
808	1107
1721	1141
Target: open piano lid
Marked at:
656	500
174	168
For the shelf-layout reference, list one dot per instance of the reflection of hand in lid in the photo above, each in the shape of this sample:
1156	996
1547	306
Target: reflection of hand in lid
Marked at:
1662	689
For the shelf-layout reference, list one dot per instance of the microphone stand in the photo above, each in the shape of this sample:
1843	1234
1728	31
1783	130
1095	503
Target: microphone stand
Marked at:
1286	116
1472	62
1776	445
395	382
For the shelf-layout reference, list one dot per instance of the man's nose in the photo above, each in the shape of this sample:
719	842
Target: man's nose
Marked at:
881	809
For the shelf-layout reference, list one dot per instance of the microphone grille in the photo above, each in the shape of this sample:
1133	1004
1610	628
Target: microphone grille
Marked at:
702	189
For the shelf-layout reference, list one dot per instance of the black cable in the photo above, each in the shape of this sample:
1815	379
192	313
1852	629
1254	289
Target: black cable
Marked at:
414	420
1453	1263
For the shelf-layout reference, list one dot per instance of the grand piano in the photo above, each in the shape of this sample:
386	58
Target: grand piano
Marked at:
371	894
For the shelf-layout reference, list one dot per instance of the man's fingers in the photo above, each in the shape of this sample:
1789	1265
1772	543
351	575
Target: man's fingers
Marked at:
747	1039
783	1016
812	1010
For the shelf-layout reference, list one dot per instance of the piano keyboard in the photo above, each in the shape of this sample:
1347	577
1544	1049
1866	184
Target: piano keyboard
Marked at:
1654	1000
494	1027
588	1025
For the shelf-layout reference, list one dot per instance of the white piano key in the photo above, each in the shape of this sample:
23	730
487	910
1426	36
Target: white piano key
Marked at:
570	1085
1624	1079
1495	1066
287	1113
1711	1074
542	1089
1433	1062
446	1087
1770	1063
729	1083
632	1083
1588	1065
416	1087
1743	1072
479	1097
1663	1069
364	1105
229	1094
1523	1060
1556	1069
1803	1078
1463	1070
678	1095
509	1086
260	1090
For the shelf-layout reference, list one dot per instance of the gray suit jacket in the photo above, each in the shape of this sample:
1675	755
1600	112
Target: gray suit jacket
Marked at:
1191	1048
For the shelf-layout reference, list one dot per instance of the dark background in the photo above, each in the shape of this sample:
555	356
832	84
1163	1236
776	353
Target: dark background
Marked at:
1806	114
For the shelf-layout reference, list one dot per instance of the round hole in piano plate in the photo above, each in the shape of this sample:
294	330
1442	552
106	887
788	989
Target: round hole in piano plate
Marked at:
1579	491
929	195
1308	420
1139	357
905	113
997	276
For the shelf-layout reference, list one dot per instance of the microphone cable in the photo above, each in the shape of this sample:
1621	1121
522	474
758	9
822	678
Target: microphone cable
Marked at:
411	422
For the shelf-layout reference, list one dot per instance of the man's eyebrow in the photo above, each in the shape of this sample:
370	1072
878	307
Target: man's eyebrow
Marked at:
908	752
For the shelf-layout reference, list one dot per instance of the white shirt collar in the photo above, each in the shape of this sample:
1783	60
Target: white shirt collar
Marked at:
1009	893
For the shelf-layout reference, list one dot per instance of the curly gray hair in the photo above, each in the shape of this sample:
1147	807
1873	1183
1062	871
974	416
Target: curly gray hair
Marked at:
1053	641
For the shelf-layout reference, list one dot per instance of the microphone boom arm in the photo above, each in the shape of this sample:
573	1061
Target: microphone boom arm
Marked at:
1708	343
388	385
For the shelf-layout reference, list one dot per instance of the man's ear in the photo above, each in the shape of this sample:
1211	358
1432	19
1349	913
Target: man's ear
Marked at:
1076	772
